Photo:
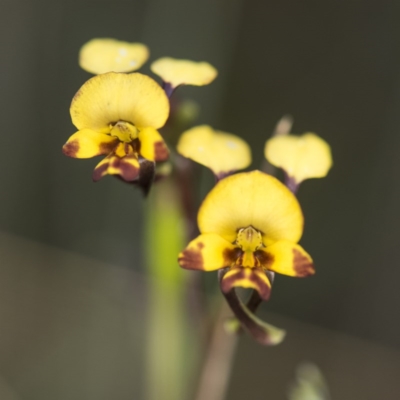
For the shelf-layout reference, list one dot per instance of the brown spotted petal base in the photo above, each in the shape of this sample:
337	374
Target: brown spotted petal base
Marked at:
122	162
248	259
130	154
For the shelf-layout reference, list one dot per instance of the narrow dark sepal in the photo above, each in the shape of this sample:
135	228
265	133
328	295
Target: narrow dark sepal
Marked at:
168	89
233	324
262	332
146	175
223	175
254	301
291	183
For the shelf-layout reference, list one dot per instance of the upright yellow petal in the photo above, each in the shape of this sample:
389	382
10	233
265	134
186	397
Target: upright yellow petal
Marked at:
152	145
288	258
108	98
99	56
221	152
208	252
87	143
302	157
184	72
251	199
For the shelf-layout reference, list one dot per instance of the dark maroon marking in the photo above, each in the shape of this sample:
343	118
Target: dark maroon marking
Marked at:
127	171
231	256
99	172
161	152
229	282
265	259
192	258
107	148
263	289
135	145
127	147
302	265
146	175
71	148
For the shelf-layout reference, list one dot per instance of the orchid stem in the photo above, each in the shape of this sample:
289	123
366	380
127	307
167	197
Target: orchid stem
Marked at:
168	366
214	378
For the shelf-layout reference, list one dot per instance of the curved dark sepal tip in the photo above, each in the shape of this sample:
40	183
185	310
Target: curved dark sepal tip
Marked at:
262	332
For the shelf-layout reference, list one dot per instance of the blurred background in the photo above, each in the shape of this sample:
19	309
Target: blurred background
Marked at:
71	293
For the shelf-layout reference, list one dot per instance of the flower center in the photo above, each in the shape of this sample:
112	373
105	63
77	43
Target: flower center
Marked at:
249	240
124	131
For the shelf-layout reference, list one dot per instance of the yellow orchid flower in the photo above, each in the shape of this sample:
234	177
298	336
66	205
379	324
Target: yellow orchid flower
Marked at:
99	56
301	157
222	152
117	115
250	223
176	72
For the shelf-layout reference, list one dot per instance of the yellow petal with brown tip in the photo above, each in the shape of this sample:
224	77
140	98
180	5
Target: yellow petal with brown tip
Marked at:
288	258
184	72
152	145
108	98
87	143
221	152
302	157
99	56
208	252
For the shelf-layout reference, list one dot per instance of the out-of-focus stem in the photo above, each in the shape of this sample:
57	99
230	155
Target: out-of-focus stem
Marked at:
217	365
166	360
185	181
165	371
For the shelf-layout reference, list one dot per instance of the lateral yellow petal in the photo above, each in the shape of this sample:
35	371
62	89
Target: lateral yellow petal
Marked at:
221	152
184	72
302	157
108	98
248	278
87	143
99	56
152	145
251	199
288	258
127	168
208	252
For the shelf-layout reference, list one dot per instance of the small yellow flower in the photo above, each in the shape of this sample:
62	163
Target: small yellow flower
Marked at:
250	223
184	72
222	152
301	157
117	115
99	56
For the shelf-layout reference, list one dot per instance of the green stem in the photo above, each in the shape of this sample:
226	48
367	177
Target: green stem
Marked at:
165	339
167	331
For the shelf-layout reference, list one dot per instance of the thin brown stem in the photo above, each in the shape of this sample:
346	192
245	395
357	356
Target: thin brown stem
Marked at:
214	378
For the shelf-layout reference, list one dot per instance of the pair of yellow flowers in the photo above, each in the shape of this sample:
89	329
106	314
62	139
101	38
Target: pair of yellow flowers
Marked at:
250	222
